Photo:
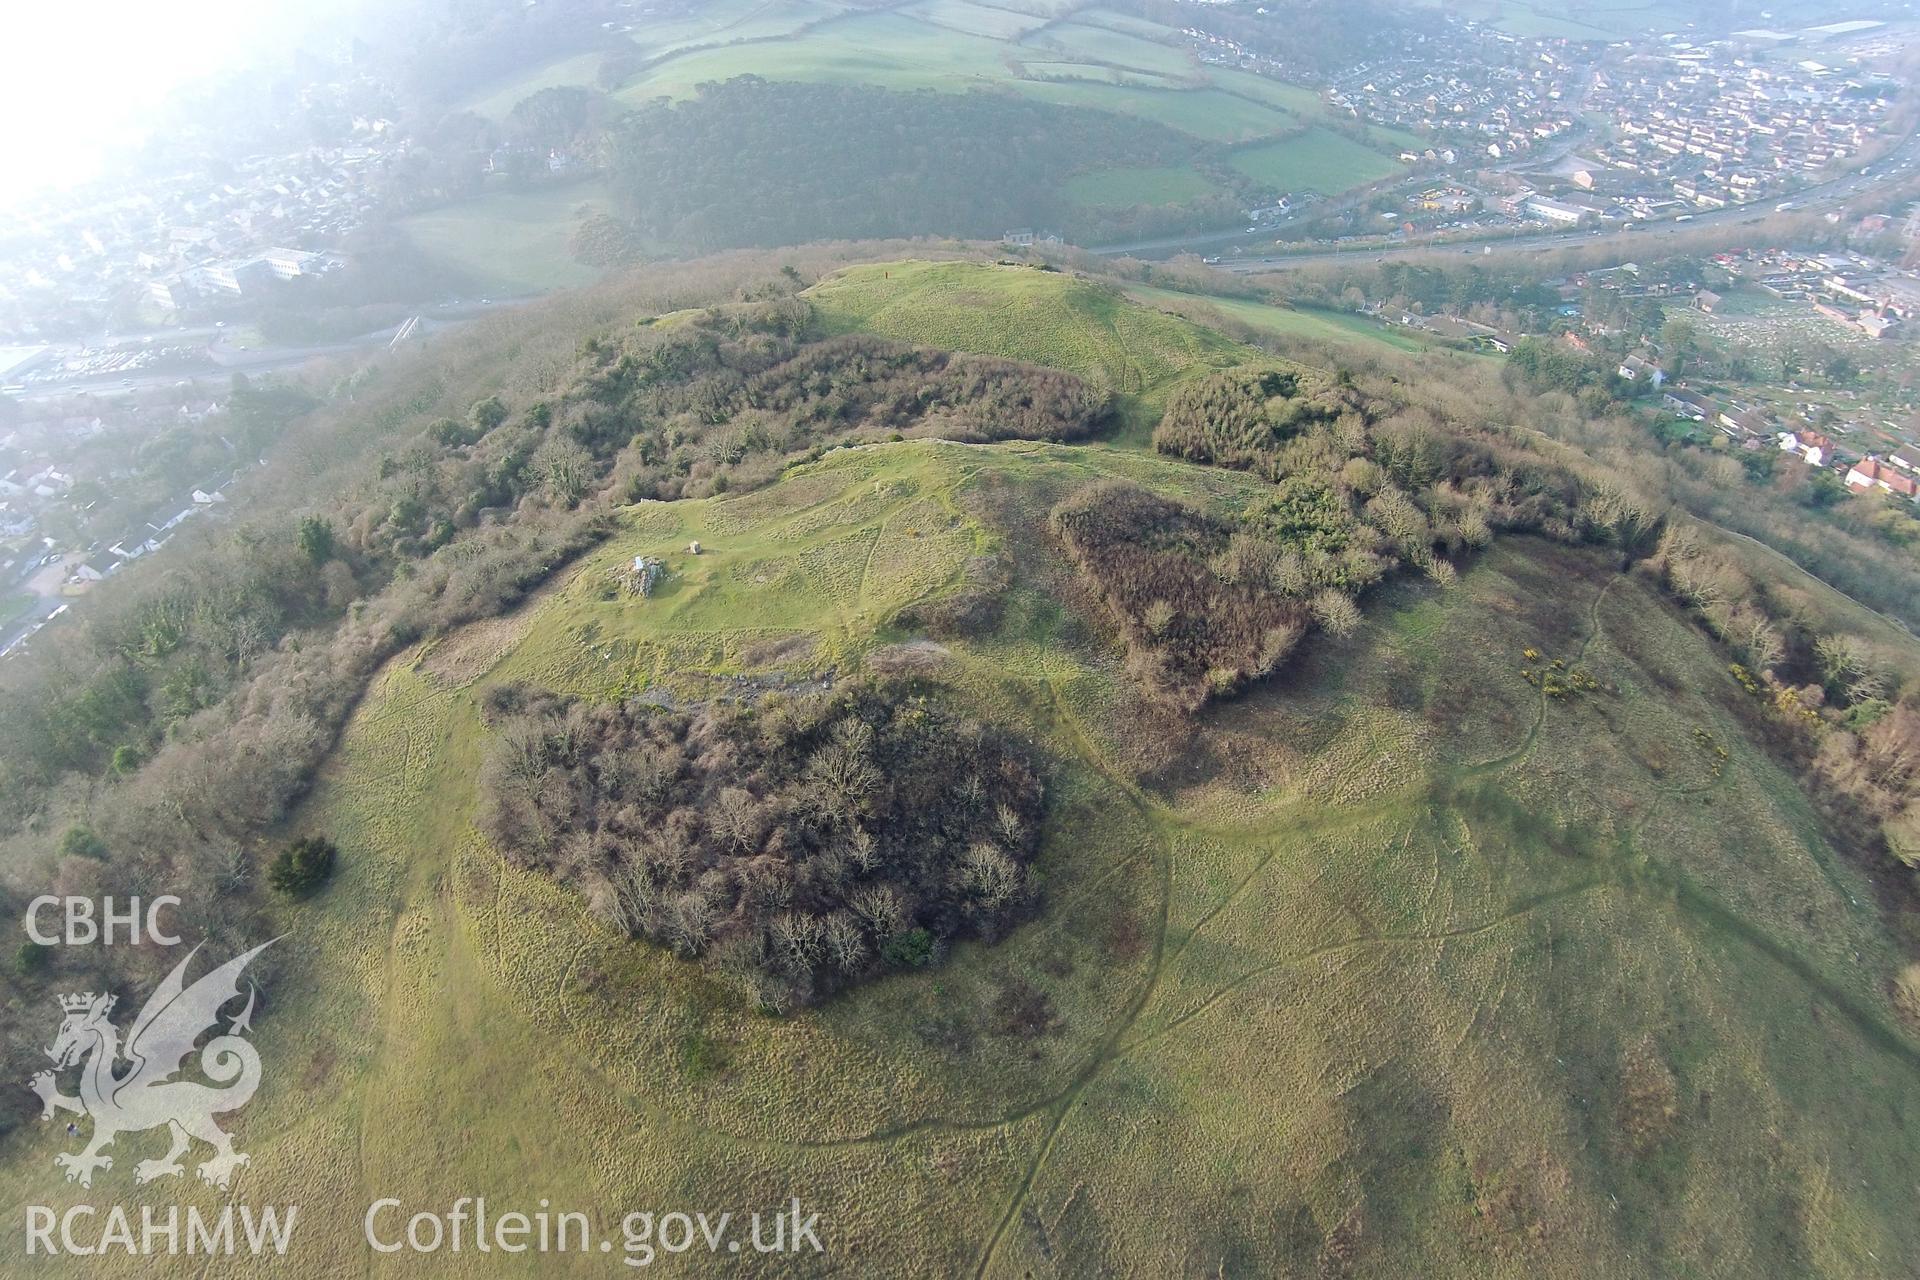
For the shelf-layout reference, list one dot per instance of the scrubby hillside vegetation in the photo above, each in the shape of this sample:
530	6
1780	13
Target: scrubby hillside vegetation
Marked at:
164	744
1241	418
1838	706
794	847
1192	597
1490	933
1361	487
1869	550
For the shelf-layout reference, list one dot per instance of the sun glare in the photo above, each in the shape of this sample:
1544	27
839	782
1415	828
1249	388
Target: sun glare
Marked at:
77	82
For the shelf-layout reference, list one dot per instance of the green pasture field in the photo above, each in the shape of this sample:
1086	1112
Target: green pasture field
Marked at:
1305	104
732	21
1127	23
889	49
1044	71
946	46
1095	59
1098	44
1049	9
1608	20
499	99
1209	114
975	19
512	242
1317	160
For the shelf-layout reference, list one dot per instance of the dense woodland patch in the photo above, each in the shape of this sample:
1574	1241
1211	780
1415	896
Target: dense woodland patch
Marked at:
1239	418
794	847
1191	632
754	162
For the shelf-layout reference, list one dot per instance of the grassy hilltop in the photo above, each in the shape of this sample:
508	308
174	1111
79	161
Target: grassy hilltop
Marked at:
1396	965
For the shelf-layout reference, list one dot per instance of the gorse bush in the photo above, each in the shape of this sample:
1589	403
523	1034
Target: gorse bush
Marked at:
302	867
79	841
31	959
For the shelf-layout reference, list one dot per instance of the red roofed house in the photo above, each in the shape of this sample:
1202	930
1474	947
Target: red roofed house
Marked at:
1871	473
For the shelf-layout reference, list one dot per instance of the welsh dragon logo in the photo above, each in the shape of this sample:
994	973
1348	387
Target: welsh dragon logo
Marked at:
145	1093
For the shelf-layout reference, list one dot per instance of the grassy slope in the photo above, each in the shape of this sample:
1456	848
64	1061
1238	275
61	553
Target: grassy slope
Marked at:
1291	322
496	100
512	242
1021	313
1384	964
1317	160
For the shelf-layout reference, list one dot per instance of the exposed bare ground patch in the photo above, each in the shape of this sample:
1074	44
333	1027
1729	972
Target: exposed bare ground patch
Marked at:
1906	994
786	651
913	657
457	660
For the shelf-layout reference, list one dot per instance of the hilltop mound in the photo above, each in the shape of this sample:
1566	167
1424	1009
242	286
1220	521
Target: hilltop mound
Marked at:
1484	939
1046	317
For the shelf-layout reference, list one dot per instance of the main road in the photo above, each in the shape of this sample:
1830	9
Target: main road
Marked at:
1901	164
223	360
